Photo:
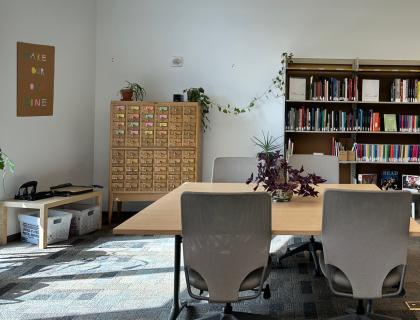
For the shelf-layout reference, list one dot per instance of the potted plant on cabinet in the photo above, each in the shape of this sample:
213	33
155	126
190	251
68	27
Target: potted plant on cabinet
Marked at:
276	176
132	89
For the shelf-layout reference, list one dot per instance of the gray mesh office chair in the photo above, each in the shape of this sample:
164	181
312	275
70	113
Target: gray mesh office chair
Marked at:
365	239
226	242
328	168
233	169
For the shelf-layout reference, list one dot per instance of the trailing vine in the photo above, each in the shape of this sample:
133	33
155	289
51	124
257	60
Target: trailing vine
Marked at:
276	89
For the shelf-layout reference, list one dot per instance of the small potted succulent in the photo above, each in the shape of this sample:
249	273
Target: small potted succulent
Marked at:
131	90
276	175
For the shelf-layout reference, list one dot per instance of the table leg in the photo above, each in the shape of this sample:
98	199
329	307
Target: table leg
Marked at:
43	216
119	208
3	225
176	305
110	209
99	204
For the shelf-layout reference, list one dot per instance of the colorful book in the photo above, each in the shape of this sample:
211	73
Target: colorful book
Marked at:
411	183
389	180
390	122
367	178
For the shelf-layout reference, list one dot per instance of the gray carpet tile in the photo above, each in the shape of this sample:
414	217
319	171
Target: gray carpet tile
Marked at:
101	276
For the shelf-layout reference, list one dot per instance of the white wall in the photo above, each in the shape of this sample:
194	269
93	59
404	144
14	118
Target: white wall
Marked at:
53	149
232	48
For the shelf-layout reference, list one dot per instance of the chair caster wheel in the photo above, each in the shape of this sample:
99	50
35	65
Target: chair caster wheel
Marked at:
266	292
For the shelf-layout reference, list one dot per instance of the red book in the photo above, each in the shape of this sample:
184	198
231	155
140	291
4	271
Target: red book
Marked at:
350	89
376	122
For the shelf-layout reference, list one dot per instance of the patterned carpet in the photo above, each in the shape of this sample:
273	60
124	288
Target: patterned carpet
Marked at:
101	276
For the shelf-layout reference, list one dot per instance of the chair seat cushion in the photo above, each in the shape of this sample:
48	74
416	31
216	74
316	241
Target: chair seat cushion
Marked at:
339	278
251	281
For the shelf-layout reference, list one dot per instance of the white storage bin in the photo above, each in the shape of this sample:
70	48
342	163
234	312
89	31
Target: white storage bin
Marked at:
57	230
85	218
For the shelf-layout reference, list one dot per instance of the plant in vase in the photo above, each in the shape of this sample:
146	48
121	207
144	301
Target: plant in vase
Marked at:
276	176
131	90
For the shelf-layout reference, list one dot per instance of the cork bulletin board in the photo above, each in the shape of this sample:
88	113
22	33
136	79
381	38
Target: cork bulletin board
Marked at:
35	80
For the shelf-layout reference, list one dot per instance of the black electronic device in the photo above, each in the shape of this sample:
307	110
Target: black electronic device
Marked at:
27	191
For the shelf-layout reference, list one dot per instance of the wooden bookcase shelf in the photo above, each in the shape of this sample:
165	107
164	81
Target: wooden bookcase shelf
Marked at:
310	141
154	148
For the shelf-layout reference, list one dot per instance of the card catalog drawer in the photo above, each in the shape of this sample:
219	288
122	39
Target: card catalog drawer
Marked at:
132	142
133	109
132	154
175	143
143	178
131	177
118	154
188	154
132	169
118	109
175	125
160	154
174	110
147	142
134	117
146	169
174	162
190	111
188	142
160	161
146	154
159	177
175	154
190	126
147	109
174	177
176	118
162	109
117	162
117	169
118	117
188	178
160	170
117	186
118	142
157	186
146	186
161	143
146	162
174	169
118	125
116	177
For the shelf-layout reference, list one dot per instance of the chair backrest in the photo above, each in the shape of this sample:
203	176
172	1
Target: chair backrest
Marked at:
365	235
233	169
325	166
226	236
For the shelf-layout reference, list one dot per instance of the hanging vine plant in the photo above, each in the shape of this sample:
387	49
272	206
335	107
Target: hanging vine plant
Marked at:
276	90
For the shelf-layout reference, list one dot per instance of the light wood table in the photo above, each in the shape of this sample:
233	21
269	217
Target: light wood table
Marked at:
300	216
43	206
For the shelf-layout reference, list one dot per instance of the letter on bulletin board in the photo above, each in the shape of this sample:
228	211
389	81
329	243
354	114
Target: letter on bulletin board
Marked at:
35	80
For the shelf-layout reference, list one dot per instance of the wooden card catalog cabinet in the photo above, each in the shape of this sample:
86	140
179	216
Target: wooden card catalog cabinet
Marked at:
155	147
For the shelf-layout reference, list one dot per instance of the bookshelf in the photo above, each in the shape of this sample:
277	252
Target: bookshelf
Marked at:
310	139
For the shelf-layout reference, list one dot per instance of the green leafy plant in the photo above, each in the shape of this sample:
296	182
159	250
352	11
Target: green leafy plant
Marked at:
198	95
6	165
276	89
138	91
267	143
